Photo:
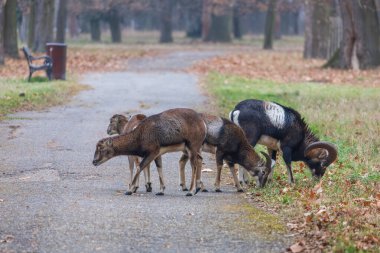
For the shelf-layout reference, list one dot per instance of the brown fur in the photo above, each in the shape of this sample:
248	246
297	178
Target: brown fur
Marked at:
233	147
172	130
229	143
119	124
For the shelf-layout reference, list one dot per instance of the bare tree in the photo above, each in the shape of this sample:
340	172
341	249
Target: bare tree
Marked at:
166	9
269	24
221	27
23	24
32	24
359	47
236	22
10	29
73	9
95	26
318	26
2	3
193	17
114	22
61	21
217	21
44	17
206	18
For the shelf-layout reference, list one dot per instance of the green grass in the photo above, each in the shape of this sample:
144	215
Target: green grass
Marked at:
348	116
19	94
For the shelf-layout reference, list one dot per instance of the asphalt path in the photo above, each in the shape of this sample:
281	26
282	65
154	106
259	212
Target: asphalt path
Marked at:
52	199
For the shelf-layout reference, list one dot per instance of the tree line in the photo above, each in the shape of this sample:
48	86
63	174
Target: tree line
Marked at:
344	32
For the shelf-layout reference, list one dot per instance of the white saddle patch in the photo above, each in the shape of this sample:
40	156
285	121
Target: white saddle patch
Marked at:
234	116
275	113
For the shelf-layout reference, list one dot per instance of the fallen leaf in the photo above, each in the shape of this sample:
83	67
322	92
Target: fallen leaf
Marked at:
7	239
24	178
308	217
285	190
297	247
292	225
320	212
284	67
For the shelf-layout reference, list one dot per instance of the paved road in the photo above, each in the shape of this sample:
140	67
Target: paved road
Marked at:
53	200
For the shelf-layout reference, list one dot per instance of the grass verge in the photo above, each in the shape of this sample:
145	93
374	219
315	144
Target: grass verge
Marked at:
339	213
19	94
16	94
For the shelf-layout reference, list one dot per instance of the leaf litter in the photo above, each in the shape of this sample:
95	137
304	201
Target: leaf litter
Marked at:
319	219
286	67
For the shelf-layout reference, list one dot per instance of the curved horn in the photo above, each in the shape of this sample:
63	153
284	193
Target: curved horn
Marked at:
268	163
331	148
263	179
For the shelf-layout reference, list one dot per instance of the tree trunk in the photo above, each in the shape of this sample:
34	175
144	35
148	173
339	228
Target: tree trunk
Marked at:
193	22
166	9
308	43
73	25
220	28
320	29
269	25
277	27
236	23
2	2
285	21
377	3
359	47
61	21
206	19
295	22
114	21
23	22
44	24
10	29
32	24
95	29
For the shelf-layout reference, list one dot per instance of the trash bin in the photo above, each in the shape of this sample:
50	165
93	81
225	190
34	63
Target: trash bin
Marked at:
57	52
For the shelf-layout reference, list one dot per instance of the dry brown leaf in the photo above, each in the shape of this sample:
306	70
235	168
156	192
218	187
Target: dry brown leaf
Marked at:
79	60
297	247
286	67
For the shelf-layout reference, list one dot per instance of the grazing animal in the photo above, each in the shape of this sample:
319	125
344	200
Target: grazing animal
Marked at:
120	124
229	143
173	130
282	128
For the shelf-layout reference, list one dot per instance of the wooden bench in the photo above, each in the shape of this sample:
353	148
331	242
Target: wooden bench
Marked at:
47	64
